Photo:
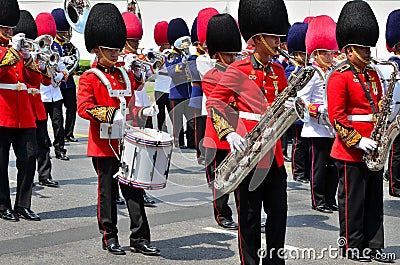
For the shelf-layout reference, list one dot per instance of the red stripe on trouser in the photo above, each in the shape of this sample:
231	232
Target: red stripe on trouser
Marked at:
98	202
239	237
312	173
346	207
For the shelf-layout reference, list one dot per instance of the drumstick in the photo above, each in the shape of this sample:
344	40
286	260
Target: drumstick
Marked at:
136	129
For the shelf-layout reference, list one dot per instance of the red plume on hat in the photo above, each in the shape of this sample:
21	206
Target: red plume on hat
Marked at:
308	19
203	17
134	28
46	24
160	33
321	34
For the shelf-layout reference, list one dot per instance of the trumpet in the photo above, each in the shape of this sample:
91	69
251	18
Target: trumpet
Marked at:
183	44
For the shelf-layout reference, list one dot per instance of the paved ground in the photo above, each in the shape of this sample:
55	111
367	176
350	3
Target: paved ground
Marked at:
181	224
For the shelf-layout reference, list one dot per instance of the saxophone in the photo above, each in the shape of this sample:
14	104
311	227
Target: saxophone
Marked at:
384	135
272	125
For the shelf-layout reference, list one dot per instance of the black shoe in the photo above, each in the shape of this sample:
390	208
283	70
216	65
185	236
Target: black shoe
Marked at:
120	200
380	256
183	147
71	139
146	250
334	207
322	209
114	248
302	180
62	156
26	213
9	215
394	194
148	202
228	224
49	183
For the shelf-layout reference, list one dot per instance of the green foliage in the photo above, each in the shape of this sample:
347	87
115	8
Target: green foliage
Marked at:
83	66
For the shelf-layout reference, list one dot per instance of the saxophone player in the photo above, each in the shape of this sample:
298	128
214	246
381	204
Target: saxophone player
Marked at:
254	83
321	45
353	93
393	45
70	57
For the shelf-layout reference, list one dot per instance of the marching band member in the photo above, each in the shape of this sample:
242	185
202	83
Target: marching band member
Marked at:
181	88
321	45
254	83
353	93
393	44
17	124
296	44
134	35
66	50
51	94
222	45
27	26
105	35
162	80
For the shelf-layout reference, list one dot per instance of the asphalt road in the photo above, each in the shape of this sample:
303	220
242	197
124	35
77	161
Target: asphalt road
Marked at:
181	225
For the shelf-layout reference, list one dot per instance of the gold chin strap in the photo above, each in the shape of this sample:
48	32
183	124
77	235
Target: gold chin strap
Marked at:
220	58
266	45
358	56
130	47
4	37
105	57
324	64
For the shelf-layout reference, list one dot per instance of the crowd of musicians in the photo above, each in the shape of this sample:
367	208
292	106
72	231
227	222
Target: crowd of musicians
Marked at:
221	91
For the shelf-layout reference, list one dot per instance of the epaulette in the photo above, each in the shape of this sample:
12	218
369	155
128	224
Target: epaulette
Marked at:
344	67
370	68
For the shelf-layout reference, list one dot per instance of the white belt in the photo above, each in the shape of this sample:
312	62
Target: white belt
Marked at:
18	86
365	117
250	116
33	91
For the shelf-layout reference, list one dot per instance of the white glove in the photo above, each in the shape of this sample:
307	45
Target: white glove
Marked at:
129	59
16	41
366	144
236	142
41	65
151	111
118	118
68	60
322	109
289	103
58	77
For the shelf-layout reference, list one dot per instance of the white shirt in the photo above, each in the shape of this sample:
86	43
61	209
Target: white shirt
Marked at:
204	64
162	81
314	92
51	93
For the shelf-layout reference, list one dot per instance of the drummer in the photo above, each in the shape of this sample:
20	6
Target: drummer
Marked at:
105	36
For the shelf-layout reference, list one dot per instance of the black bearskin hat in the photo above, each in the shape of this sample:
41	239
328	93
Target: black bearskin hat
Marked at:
61	21
223	35
105	27
393	28
9	13
263	17
26	25
357	25
177	28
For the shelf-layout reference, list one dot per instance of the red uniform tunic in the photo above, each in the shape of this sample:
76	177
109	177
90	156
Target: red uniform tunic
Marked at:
95	105
16	109
346	97
254	87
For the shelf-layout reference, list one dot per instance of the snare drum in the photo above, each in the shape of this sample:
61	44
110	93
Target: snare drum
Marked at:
145	158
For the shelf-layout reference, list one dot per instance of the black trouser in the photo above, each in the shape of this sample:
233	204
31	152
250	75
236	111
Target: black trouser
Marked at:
43	155
200	130
271	194
69	100
163	102
393	171
181	107
24	144
105	168
324	178
222	211
300	155
360	197
285	139
54	110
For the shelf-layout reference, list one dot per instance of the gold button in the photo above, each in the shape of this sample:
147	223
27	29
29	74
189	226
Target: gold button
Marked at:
114	84
15	66
16	74
264	82
112	77
265	74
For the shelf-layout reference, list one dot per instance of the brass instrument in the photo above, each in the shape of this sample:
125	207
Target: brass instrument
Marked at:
77	13
272	125
381	134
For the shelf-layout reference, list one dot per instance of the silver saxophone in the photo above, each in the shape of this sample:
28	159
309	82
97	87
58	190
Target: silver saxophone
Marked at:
272	125
384	135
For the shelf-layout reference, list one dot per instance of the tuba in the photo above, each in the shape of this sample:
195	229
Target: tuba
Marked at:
384	135
77	13
272	125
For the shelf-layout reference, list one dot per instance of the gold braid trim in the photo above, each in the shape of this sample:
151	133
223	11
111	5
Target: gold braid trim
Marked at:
221	125
10	58
32	66
102	114
349	136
